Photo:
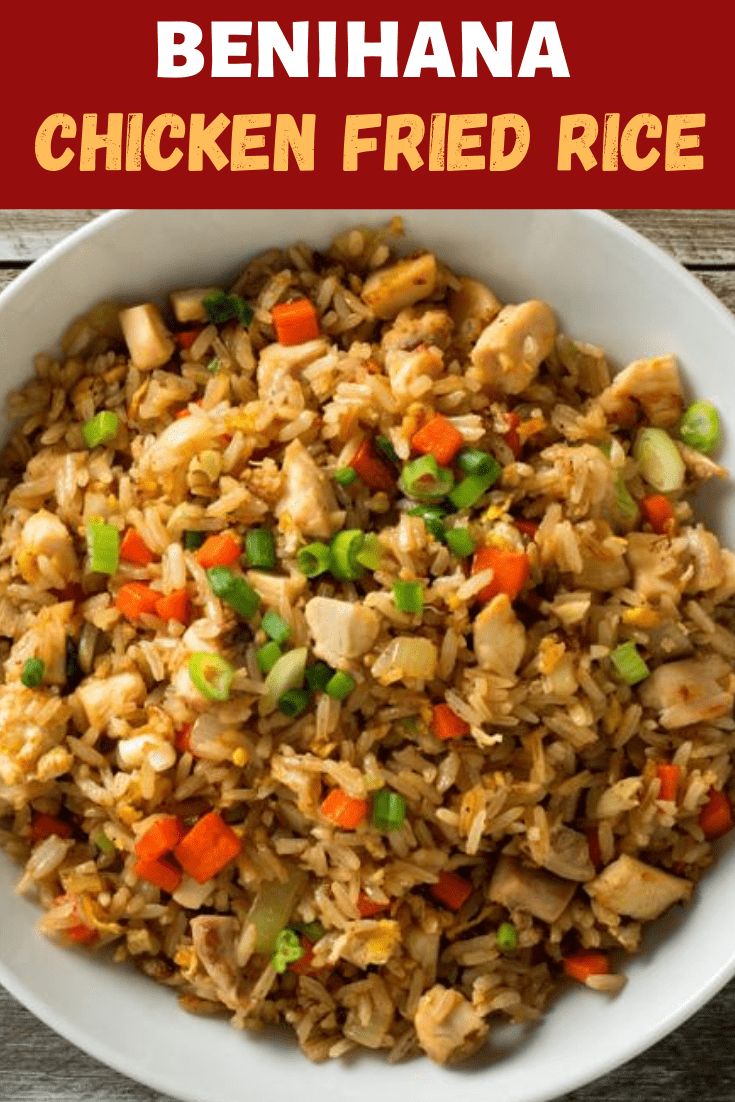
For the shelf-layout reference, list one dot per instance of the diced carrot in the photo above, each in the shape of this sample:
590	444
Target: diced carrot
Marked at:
669	776
209	846
81	934
220	550
527	528
593	845
182	741
716	817
162	837
186	337
134	549
296	322
512	438
451	889
510	571
160	873
374	471
174	606
43	826
439	438
343	810
368	908
446	724
580	966
659	513
304	965
135	598
185	412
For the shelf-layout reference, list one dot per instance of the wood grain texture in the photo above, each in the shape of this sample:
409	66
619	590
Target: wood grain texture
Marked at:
694	1062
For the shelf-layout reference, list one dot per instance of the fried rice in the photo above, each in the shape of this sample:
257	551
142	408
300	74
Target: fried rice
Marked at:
364	671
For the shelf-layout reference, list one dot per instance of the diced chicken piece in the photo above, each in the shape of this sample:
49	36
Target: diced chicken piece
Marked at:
306	786
278	362
45	639
110	697
342	630
472	306
701	465
367	942
392	289
149	342
406	658
189	305
569	855
632	888
418	325
499	637
653	384
308	498
518	887
412	373
689	691
153	749
602	571
275	591
620	797
706	556
448	1027
178	443
586	363
656	569
510	350
215	943
45	556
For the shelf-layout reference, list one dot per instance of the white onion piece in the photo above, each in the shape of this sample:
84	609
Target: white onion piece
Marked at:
406	658
287	674
659	460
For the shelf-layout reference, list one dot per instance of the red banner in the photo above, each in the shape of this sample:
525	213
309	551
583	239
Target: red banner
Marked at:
90	116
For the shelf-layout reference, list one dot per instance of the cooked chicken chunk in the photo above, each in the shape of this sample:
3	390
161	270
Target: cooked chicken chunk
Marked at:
403	284
602	571
653	384
706	557
569	855
342	630
510	350
110	697
277	362
447	1025
701	465
308	497
275	590
690	691
656	569
189	305
44	639
418	325
525	889
45	556
630	887
472	306
215	943
412	373
149	342
499	637
178	443
367	942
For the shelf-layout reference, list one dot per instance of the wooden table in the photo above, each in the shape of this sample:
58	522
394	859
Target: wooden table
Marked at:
695	1062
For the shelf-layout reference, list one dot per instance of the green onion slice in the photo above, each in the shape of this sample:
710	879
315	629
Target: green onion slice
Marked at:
345	476
425	480
460	542
32	673
506	937
383	444
475	461
432	516
469	491
193	540
234	590
629	664
288	950
100	429
294	702
343	552
659	460
313	559
318	676
267	656
408	596
275	626
370	554
103	547
103	843
625	503
211	675
287	674
700	427
389	810
340	685
260	548
221	307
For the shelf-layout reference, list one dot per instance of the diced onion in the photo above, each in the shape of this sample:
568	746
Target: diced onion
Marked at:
288	673
659	460
272	909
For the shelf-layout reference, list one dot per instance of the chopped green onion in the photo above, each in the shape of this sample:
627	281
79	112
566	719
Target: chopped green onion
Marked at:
659	460
343	552
103	547
313	559
389	810
267	656
625	504
460	542
294	702
234	591
432	516
475	461
340	685
287	951
370	554
345	476
469	491
629	664
318	676
103	843
408	596
193	540
700	427
221	307
100	429
606	448
32	672
275	627
506	937
260	548
425	480
211	675
213	365
383	444
312	931
288	673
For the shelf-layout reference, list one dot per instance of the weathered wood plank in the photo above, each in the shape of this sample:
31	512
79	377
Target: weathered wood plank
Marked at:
27	234
7	275
722	284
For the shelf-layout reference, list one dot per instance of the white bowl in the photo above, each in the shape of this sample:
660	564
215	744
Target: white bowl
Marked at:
610	286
